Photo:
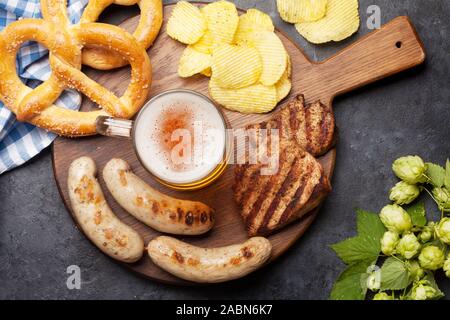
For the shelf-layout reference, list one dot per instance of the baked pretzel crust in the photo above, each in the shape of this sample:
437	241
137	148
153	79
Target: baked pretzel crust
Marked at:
65	43
150	22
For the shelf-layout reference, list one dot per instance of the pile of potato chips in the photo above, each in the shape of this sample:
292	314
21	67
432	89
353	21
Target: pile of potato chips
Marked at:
249	67
320	21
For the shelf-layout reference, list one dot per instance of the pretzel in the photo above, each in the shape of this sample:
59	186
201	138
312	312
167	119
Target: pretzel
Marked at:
146	31
65	43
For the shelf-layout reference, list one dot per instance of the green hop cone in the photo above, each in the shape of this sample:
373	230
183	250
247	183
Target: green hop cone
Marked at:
408	246
395	218
373	281
447	266
443	230
404	193
415	269
431	258
427	233
382	296
423	291
410	169
389	242
442	196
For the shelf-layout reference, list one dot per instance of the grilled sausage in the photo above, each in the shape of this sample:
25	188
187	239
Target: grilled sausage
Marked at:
95	217
159	211
209	265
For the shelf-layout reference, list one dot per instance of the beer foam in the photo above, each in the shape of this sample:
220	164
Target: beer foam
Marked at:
180	137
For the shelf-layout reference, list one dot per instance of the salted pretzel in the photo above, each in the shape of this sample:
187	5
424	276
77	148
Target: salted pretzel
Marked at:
65	43
150	22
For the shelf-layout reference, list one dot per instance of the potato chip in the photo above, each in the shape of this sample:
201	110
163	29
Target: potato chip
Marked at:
283	87
234	67
273	55
288	66
207	72
296	11
186	24
339	23
256	98
193	62
222	20
205	44
253	20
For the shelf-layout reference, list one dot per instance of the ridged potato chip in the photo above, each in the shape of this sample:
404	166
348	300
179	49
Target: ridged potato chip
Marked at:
207	72
222	21
284	85
193	62
273	55
256	98
235	67
205	44
186	24
296	11
339	23
288	66
253	20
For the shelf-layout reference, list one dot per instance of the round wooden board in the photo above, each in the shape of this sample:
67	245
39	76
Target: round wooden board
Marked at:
229	228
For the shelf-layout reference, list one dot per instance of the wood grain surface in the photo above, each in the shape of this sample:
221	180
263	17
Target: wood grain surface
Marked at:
393	48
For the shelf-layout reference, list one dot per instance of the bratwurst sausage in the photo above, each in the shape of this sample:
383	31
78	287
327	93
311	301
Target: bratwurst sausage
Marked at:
209	265
95	217
157	210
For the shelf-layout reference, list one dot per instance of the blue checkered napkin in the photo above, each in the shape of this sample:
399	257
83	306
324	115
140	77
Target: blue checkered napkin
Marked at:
19	142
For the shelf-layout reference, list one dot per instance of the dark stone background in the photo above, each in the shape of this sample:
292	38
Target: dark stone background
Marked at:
406	114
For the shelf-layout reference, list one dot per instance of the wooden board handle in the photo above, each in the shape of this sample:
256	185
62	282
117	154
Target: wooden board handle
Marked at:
393	48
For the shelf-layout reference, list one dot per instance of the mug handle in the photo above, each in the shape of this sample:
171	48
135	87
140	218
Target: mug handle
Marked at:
113	127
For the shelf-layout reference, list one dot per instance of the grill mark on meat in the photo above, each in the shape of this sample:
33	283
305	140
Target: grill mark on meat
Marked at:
285	187
294	201
308	132
270	182
319	192
255	181
293	121
324	131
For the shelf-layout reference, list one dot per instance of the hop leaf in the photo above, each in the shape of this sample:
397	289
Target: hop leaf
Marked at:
366	246
351	284
394	275
436	174
418	214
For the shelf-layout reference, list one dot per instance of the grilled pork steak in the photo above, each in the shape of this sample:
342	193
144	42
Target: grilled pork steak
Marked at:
269	202
311	126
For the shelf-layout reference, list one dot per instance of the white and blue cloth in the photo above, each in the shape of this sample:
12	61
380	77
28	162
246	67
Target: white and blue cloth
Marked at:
19	141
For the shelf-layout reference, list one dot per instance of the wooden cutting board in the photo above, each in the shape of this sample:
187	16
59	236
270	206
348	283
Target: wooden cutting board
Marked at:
393	48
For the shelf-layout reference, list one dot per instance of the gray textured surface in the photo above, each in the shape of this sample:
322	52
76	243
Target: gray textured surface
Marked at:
409	113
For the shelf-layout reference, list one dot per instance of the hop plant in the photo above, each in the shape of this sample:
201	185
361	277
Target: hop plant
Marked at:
383	296
447	266
415	270
389	242
395	218
410	169
373	282
404	193
423	291
431	258
443	230
408	246
442	196
427	232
